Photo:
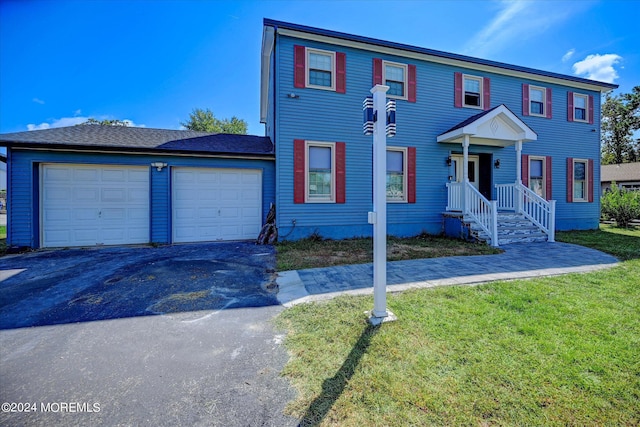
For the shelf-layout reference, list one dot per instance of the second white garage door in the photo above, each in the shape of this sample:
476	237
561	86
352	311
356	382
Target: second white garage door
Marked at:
216	204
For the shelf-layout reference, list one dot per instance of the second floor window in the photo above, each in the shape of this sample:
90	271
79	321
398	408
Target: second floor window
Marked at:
536	99
580	107
320	69
395	76
472	91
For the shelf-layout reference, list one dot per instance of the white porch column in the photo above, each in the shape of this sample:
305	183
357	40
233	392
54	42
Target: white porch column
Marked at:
465	172
519	161
517	194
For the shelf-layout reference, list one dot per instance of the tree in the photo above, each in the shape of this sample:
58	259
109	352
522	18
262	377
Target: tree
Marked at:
106	122
204	121
620	119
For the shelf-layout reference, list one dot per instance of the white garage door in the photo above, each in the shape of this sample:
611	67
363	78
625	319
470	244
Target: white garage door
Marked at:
216	204
86	205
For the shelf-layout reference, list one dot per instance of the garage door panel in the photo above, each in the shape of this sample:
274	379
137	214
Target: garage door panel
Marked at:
86	205
218	214
85	195
115	195
86	175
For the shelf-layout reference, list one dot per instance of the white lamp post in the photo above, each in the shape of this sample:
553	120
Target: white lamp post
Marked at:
376	111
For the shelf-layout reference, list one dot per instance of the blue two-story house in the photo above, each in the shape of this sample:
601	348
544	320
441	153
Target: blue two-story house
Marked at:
482	147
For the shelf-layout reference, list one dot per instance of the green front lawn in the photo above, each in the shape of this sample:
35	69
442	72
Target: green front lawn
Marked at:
552	351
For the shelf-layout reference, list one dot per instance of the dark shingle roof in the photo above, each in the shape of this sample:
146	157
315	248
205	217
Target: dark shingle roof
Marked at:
620	173
472	119
119	138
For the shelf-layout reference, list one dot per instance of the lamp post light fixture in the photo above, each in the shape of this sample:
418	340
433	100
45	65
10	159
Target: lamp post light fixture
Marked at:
376	109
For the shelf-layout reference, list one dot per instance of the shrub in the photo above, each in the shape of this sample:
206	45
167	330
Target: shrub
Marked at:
620	204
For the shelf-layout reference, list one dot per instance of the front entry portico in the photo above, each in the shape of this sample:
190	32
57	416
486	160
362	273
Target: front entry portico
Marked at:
497	127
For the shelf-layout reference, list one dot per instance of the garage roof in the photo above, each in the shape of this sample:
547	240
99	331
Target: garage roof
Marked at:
123	138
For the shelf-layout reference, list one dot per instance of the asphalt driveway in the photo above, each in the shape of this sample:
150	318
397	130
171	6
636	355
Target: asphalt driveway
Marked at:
173	335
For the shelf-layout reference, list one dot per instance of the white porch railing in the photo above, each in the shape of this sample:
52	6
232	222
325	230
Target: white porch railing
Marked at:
504	197
483	211
454	196
539	211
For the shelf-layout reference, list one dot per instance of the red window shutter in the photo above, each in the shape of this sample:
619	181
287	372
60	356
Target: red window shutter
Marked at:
548	173
411	174
525	170
570	179
298	170
457	83
377	71
570	106
340	172
412	86
341	72
590	109
299	73
525	99
486	89
548	101
590	180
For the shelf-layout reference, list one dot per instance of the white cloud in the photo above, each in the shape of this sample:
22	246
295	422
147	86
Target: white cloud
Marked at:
598	67
567	56
517	21
38	101
58	123
72	121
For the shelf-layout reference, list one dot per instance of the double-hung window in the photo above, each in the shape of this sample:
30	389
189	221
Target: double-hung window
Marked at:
580	180
320	172
536	101
536	176
396	174
395	76
580	106
472	96
320	69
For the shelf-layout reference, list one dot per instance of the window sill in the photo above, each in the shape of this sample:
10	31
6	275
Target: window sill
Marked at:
329	89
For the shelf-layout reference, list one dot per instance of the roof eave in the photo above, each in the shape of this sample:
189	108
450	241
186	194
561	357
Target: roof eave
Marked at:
440	56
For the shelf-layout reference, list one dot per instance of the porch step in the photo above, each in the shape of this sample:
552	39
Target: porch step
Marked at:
512	228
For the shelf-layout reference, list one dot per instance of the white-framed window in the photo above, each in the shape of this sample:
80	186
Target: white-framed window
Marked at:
580	107
537	175
394	75
537	101
321	69
396	174
580	180
472	91
320	171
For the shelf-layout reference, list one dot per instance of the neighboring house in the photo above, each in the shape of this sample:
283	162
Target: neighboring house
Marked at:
625	175
501	128
93	185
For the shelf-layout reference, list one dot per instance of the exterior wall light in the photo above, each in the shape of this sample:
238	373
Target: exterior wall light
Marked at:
158	165
496	164
448	161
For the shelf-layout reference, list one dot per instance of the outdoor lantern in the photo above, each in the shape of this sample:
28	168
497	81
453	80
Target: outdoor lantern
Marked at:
369	119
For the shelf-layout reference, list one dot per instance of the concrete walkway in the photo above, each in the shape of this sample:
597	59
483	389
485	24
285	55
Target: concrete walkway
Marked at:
519	261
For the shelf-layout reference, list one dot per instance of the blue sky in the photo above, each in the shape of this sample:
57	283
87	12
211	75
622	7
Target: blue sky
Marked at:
152	62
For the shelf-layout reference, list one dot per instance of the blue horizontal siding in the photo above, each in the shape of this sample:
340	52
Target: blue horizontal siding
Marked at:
23	207
322	115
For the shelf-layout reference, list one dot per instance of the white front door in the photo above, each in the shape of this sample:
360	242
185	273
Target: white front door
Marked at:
474	169
86	205
216	204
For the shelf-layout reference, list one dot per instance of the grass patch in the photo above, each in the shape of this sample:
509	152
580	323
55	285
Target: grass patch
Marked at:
312	253
552	351
623	243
